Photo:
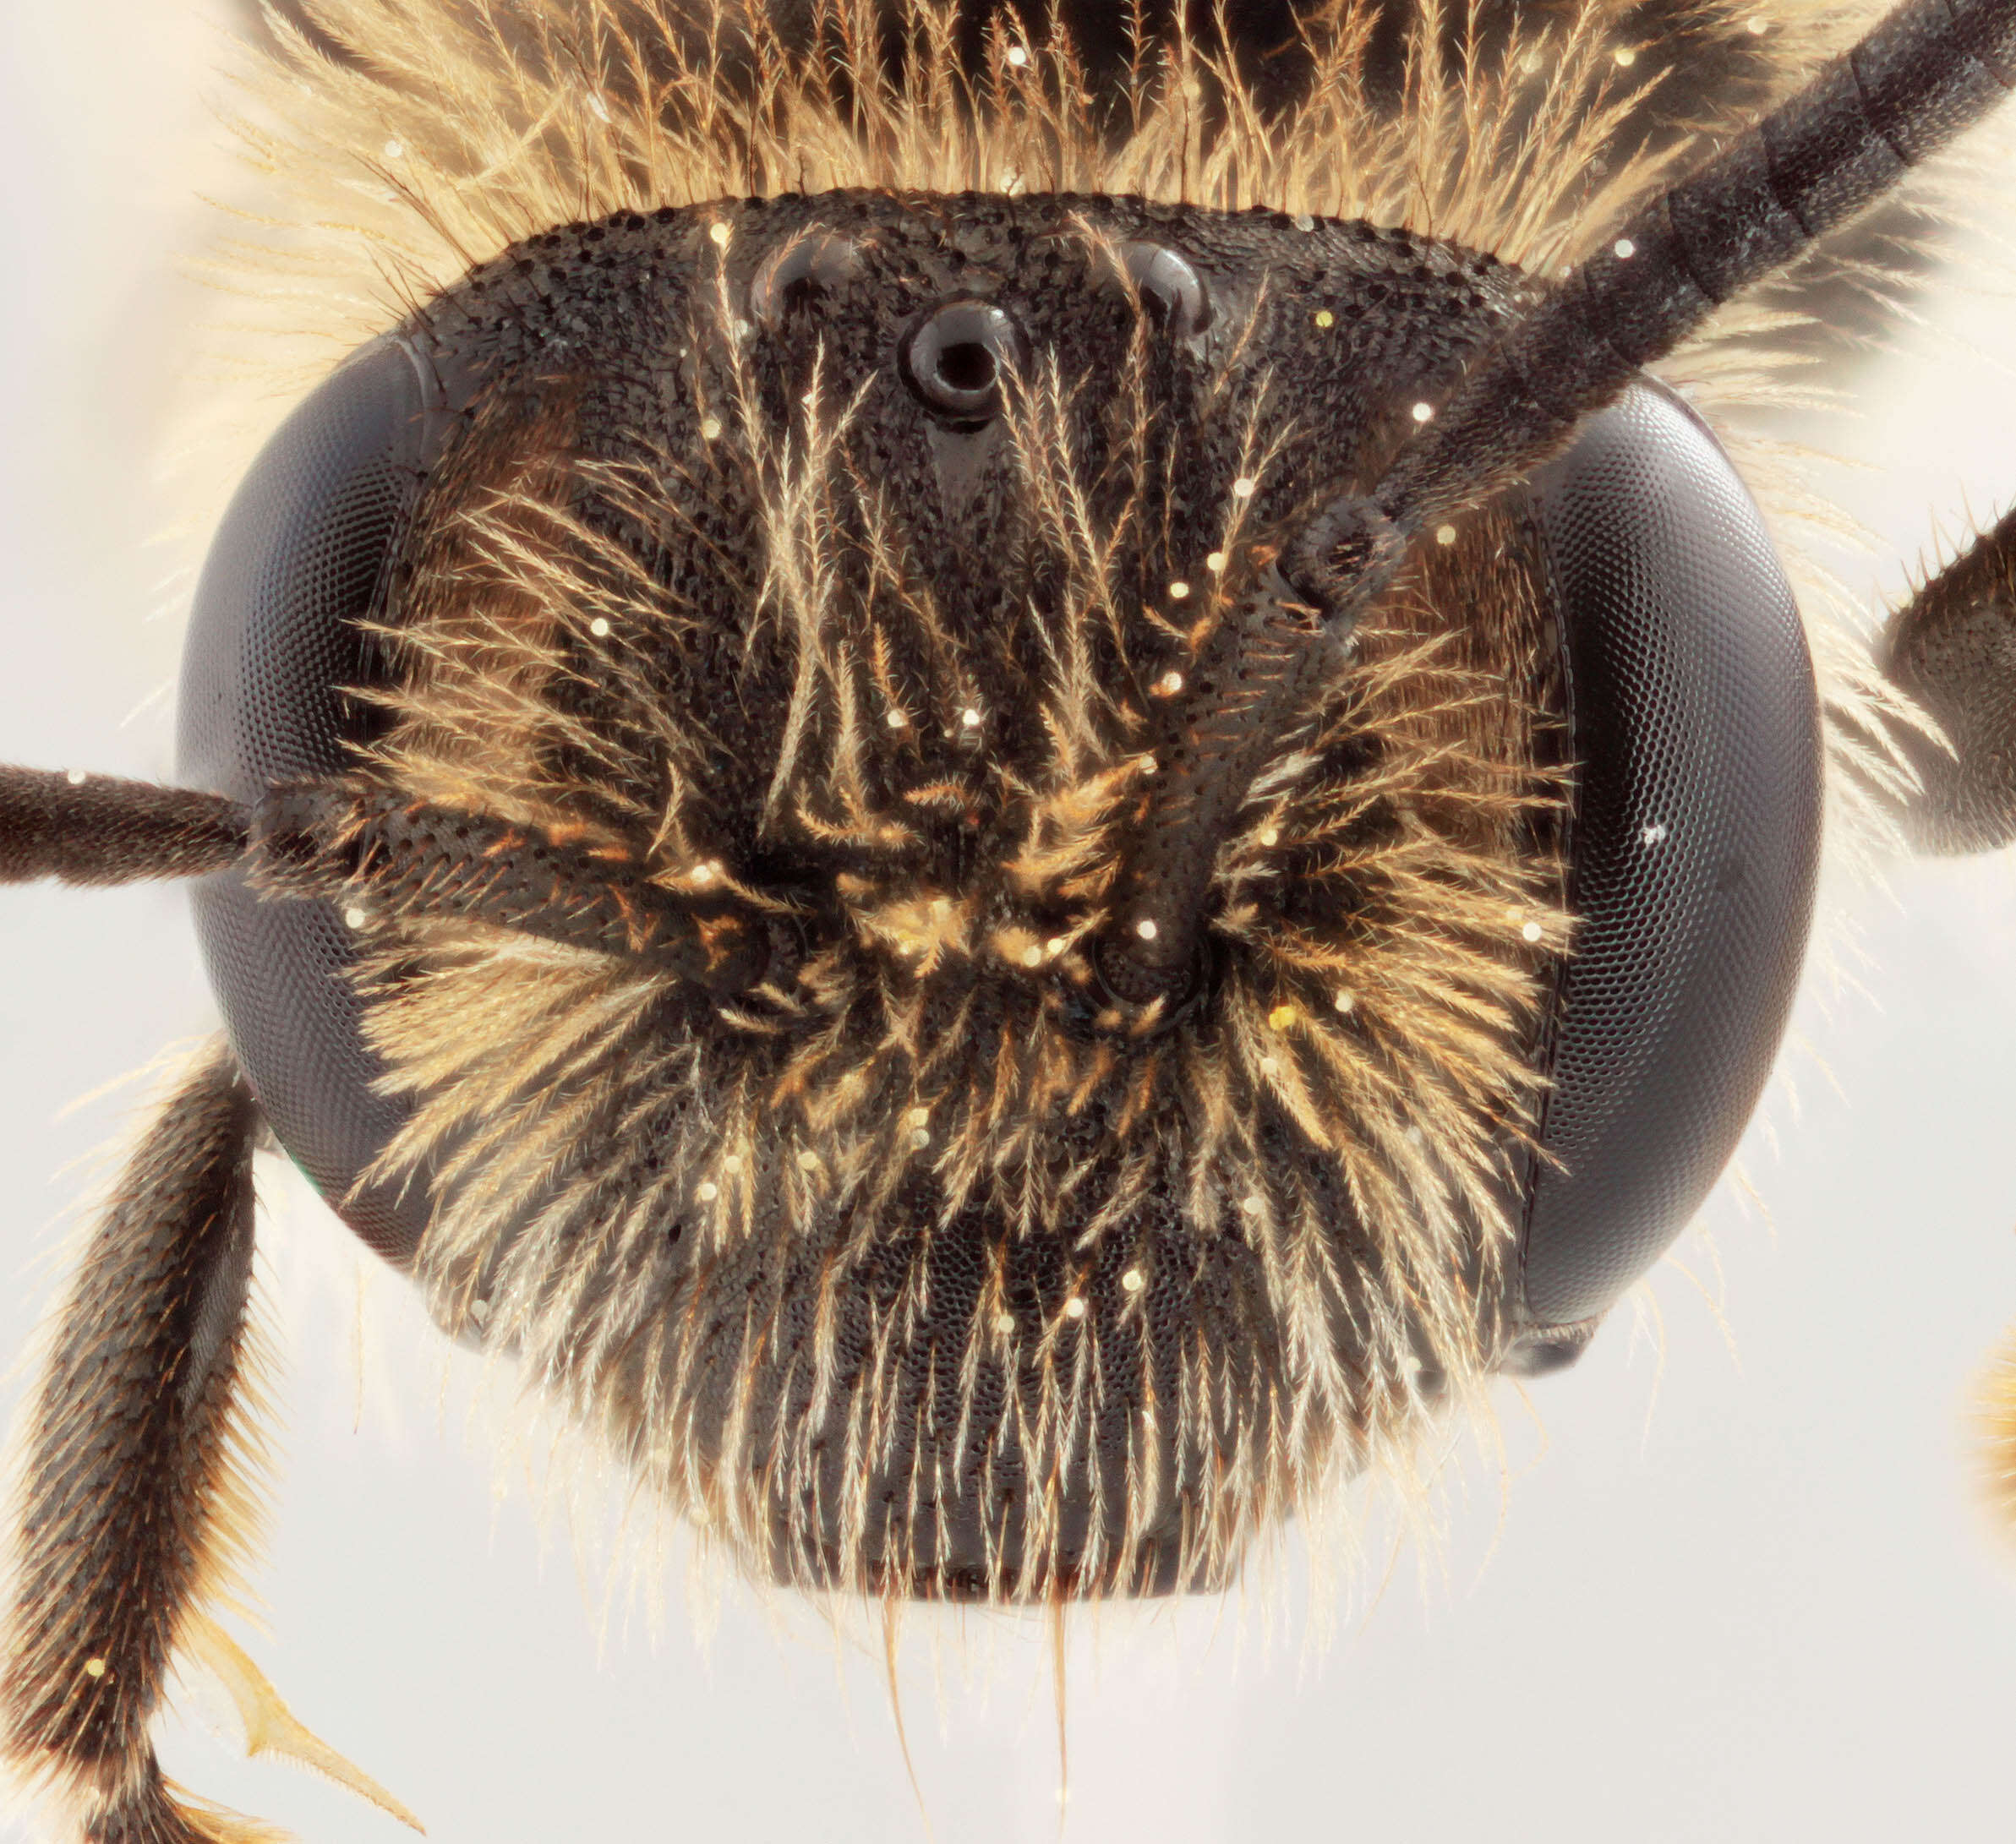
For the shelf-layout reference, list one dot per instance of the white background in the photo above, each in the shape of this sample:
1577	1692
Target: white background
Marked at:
1750	1596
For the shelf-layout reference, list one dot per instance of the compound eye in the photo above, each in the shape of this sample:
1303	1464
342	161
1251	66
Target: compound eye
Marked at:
955	360
809	266
278	639
1696	840
1171	290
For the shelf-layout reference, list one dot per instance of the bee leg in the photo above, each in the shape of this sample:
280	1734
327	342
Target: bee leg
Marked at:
1952	649
136	1493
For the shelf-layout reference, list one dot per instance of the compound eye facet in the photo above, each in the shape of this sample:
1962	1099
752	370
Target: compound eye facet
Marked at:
954	361
1171	289
817	263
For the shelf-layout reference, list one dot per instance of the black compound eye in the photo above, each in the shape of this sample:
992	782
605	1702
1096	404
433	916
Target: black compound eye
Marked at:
1171	289
299	564
1696	836
817	263
955	360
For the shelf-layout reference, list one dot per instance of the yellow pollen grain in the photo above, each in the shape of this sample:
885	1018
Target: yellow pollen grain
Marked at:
1134	1281
1281	1017
1169	684
897	721
719	232
1216	563
808	1161
1346	1003
1148	765
1625	56
1245	487
1146	930
1018	56
970	718
919	1116
1625	248
1758	25
1075	1308
732	1164
1269	1065
1178	590
710	428
599	627
1424	412
355	918
707	1193
1531	932
1032	957
1271	836
93	1667
1004	1322
1325	318
1054	945
1445	534
920	1139
703	874
1251	1203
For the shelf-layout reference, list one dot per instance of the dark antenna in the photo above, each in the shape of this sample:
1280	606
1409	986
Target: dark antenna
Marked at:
348	841
1930	69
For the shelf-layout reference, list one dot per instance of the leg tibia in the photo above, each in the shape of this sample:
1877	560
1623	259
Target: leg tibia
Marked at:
1953	649
135	1488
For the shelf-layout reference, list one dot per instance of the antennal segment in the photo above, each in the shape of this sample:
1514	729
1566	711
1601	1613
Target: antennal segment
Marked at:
1930	69
99	829
403	858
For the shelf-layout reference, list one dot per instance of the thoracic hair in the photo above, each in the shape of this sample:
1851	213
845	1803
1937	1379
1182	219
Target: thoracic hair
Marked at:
902	1270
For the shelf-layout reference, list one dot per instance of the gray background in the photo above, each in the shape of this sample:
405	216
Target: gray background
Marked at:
1744	1593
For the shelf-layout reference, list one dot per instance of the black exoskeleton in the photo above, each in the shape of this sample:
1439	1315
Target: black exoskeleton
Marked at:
1000	874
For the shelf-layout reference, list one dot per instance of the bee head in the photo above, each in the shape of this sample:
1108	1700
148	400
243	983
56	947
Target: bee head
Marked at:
1089	1103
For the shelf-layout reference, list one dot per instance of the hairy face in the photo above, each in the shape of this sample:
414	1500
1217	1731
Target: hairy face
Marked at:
865	571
